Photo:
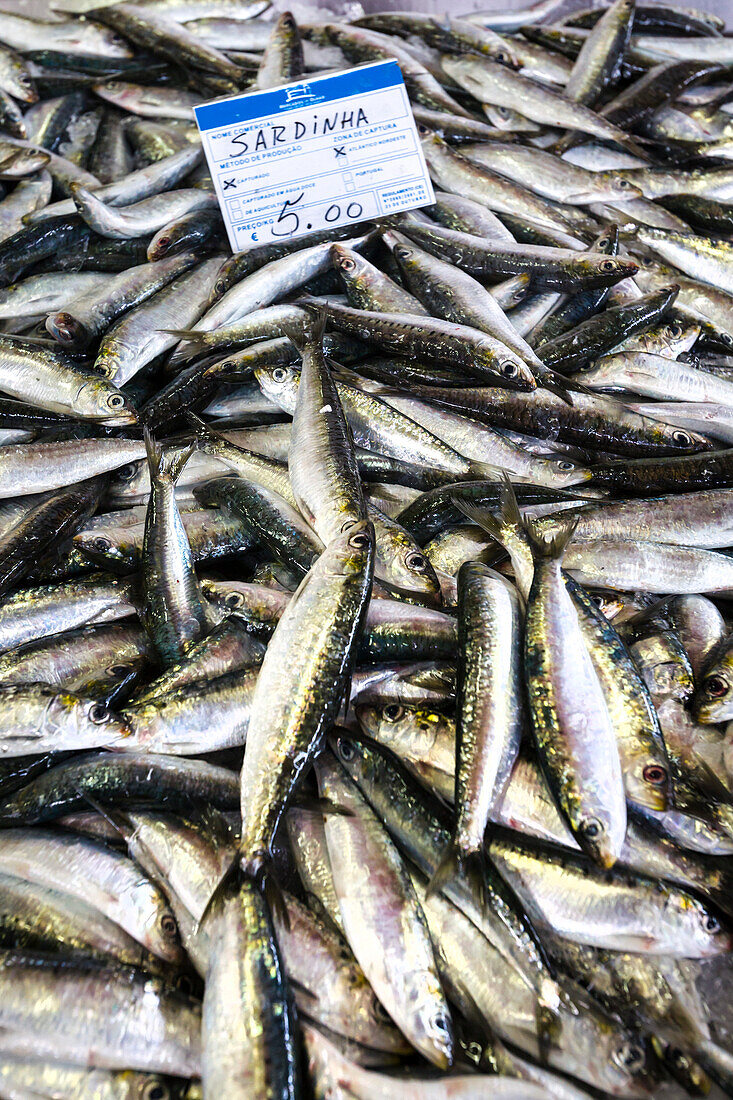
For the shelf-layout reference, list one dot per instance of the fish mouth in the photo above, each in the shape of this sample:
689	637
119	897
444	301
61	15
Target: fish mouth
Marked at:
126	417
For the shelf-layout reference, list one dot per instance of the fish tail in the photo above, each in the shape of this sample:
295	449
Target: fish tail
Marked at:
313	332
153	451
552	544
549	1027
470	867
189	335
449	868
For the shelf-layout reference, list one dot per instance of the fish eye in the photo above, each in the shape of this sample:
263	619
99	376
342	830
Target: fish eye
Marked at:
168	925
115	401
279	374
630	1056
360	541
127	473
717	686
675	331
346	749
347	263
440	1023
681	438
120	670
565	465
417	562
726	338
233	599
502	112
156	1090
508	369
655	774
604	242
624	183
607	265
402	252
98	713
592	828
380	1012
711	924
393	712
102	544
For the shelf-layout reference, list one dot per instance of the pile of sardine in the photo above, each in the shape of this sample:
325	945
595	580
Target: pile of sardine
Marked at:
366	635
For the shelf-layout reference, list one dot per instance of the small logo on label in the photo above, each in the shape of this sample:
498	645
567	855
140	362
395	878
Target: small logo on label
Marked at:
298	95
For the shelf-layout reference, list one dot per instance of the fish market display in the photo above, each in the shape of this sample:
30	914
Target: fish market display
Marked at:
366	597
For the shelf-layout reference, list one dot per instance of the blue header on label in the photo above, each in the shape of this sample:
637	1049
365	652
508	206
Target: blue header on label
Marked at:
306	93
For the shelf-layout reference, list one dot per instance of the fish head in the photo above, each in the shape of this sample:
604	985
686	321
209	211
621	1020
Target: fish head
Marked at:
566	472
89	718
357	758
105	551
633	1064
98	400
504	118
707	931
619	186
713	700
279	384
25	81
65	328
402	728
23	162
648	782
161	930
600	834
607	270
349	264
352	552
402	568
433	1035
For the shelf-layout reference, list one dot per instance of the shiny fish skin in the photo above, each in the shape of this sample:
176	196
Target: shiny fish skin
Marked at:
562	725
365	645
383	918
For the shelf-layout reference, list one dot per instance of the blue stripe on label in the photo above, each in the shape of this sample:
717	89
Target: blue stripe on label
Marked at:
324	89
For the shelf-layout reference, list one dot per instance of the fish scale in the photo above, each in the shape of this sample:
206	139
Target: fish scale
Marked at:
373	737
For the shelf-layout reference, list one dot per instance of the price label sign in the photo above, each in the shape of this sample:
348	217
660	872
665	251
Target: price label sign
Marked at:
317	154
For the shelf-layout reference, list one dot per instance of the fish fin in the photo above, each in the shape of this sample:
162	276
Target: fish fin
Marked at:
485	471
170	467
302	989
225	884
555	383
115	818
188	335
469	866
312	804
308	302
200	426
153	451
549	1026
555	543
275	899
482	518
313	333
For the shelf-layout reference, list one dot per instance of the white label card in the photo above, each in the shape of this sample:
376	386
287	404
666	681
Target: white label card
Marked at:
314	155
